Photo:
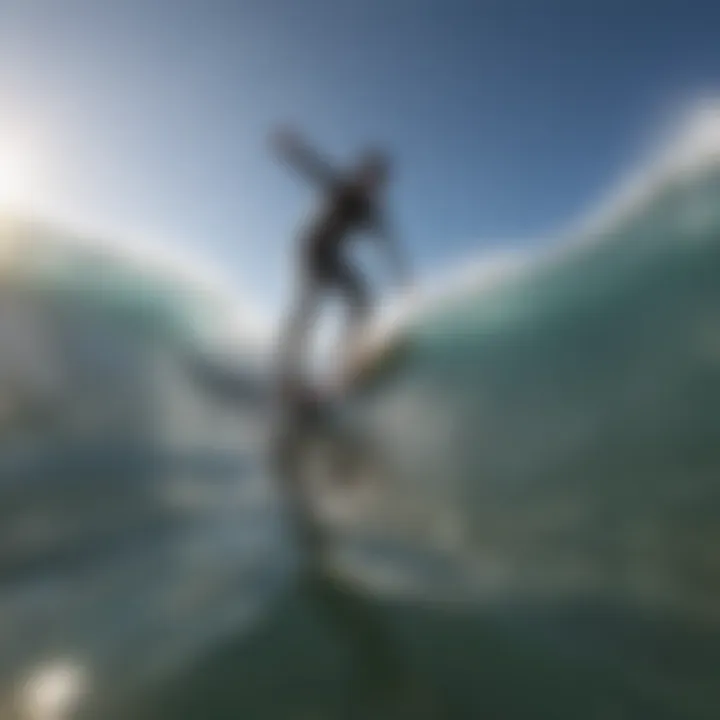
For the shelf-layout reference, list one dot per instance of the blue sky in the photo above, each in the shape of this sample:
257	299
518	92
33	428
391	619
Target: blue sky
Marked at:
507	117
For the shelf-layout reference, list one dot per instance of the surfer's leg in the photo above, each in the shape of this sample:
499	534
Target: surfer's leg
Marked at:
354	288
298	326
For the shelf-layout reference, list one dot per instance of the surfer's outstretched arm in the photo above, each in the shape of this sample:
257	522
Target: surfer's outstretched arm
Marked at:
301	157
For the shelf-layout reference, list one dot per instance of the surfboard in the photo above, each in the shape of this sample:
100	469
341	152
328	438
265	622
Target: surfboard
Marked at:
375	358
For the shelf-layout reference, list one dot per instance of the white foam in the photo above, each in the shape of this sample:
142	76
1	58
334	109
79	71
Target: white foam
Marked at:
693	146
486	272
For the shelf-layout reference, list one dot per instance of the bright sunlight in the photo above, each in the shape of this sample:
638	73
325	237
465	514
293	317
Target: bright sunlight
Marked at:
18	172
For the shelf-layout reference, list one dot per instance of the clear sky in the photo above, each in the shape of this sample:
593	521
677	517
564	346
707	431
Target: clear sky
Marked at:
507	117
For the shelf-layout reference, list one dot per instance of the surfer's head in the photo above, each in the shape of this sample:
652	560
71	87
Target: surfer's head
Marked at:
374	168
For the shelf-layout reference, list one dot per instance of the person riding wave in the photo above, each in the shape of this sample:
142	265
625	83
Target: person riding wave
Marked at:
353	201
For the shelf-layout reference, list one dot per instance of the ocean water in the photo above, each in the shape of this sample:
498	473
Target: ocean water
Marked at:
528	524
572	411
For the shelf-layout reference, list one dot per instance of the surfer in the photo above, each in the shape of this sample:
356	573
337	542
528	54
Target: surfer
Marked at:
352	202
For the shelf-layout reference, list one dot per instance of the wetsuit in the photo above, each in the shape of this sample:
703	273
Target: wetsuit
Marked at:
348	207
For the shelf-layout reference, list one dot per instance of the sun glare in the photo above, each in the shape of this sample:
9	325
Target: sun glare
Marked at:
18	174
52	691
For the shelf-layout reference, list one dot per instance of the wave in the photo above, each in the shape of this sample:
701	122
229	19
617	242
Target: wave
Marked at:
689	154
561	418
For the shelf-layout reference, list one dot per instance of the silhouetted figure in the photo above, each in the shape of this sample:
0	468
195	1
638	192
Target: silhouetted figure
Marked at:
352	202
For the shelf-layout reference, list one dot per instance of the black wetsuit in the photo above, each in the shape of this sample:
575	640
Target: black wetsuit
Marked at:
347	209
349	205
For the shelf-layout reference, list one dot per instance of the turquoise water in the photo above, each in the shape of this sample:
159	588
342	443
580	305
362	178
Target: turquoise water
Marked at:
573	413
